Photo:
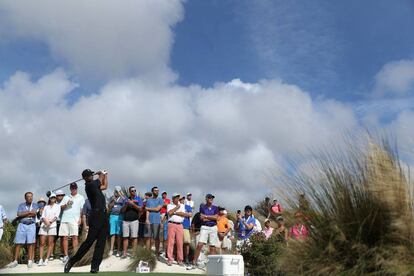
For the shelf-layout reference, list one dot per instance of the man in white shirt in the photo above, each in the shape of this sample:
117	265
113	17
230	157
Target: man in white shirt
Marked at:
71	207
176	214
3	219
188	201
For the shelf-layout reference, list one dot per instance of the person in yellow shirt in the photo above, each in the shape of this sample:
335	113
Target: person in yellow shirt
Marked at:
223	229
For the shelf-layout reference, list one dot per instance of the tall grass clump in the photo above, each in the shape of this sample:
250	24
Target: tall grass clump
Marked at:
87	258
360	214
145	255
6	244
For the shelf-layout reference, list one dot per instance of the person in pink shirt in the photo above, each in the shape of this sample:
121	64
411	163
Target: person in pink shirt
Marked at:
298	231
268	229
275	209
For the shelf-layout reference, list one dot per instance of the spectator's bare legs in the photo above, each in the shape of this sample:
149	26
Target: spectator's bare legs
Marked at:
212	250
50	246
197	252
75	243
157	246
118	243
148	243
134	245
17	252
186	251
125	246
112	243
30	248
42	246
65	245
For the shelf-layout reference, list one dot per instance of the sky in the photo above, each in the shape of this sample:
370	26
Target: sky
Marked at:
195	96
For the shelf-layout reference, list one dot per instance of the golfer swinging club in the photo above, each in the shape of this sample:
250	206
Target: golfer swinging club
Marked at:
98	221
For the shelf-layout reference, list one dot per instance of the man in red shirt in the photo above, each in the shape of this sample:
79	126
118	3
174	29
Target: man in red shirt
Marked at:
163	213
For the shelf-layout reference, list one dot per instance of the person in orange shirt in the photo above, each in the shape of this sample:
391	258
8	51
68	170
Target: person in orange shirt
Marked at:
223	229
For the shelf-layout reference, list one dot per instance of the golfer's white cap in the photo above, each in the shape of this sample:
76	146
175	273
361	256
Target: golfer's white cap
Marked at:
59	192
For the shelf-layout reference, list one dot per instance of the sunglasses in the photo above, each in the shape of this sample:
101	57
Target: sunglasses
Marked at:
133	190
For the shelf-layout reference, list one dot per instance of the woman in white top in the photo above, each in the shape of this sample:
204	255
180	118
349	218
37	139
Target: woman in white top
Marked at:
48	228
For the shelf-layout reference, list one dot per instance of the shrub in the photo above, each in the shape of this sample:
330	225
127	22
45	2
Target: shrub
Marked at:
360	212
261	255
143	254
6	255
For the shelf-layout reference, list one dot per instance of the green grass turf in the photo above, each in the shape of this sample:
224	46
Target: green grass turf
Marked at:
101	274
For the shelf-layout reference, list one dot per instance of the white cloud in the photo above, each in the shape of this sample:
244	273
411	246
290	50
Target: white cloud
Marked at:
222	140
101	39
396	78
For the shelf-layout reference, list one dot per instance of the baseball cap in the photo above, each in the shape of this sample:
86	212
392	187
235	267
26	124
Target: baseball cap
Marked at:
41	200
209	196
52	195
189	194
182	197
266	220
73	185
279	218
224	212
59	192
175	195
87	172
118	188
164	192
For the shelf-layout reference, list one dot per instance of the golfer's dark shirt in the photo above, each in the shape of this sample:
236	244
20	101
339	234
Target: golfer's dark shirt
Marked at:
95	195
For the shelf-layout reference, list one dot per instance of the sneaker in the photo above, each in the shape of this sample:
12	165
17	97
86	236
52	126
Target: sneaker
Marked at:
30	264
117	255
111	252
45	262
191	266
169	263
124	257
180	263
51	258
40	263
65	259
61	258
200	265
12	264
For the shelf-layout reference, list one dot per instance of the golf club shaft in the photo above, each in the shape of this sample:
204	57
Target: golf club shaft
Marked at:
68	184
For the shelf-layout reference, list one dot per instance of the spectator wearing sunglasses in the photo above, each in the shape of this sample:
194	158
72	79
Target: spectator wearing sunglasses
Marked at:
131	210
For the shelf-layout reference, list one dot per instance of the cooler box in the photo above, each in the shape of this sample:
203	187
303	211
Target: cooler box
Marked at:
228	265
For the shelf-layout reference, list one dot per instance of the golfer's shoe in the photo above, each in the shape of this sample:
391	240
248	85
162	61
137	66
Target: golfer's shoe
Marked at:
94	270
12	264
68	266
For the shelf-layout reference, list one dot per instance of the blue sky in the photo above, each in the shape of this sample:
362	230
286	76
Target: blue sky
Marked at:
329	48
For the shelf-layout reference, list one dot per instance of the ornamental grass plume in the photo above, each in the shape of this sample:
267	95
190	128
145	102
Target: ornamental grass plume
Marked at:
360	214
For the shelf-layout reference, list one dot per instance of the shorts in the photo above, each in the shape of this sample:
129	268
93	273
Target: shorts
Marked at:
130	229
115	224
68	229
208	233
47	231
187	237
152	231
225	243
25	234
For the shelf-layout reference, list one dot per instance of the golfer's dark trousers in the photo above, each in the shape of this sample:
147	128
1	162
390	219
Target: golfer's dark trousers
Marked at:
98	231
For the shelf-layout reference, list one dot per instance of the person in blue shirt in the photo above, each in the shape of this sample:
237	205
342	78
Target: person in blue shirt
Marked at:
245	225
115	205
26	230
153	208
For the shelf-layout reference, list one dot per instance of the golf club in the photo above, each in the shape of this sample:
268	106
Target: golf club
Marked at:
48	193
